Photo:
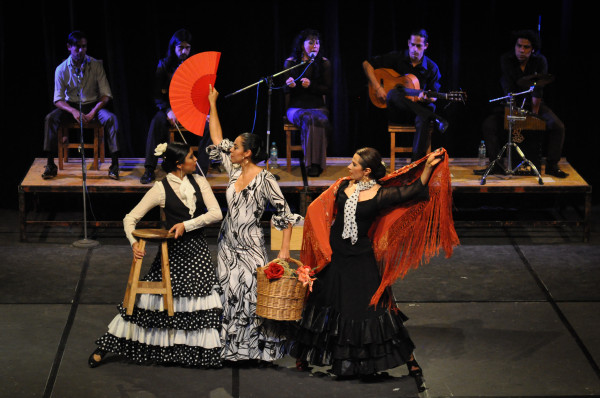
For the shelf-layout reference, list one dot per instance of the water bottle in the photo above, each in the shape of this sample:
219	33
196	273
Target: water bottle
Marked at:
273	156
482	154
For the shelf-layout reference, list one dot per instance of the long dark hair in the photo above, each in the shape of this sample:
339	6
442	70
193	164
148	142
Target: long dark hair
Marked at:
371	158
178	37
255	144
298	48
175	154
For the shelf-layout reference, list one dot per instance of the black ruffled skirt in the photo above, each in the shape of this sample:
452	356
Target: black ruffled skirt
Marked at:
339	329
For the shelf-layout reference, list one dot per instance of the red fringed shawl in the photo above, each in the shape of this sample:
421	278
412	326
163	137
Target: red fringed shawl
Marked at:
403	237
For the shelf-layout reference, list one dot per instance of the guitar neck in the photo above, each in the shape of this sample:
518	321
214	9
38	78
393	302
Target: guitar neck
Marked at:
431	94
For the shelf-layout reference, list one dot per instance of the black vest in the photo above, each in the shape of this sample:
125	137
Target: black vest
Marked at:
175	210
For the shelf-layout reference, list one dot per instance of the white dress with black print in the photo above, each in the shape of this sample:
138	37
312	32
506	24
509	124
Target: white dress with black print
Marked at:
191	336
241	250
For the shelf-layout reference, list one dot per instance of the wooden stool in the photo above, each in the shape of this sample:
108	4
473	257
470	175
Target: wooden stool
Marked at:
173	130
64	145
400	128
288	128
135	286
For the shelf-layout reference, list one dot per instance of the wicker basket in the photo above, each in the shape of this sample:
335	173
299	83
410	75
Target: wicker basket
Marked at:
281	299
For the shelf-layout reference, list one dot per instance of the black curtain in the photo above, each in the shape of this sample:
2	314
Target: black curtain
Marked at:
466	40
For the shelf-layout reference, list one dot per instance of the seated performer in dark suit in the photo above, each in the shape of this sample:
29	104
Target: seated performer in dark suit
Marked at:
401	109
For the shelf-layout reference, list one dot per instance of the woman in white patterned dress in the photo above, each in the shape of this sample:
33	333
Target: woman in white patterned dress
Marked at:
241	246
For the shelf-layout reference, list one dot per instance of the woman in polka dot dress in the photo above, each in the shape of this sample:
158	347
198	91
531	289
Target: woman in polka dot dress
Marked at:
242	246
191	336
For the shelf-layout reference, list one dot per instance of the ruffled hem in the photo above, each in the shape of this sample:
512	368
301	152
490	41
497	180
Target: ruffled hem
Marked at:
202	319
146	354
206	338
214	152
262	339
155	302
352	347
282	221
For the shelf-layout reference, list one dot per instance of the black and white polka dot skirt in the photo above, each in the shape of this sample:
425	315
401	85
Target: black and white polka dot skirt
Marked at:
191	336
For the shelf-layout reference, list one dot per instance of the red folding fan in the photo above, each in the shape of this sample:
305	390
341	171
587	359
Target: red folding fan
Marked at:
188	91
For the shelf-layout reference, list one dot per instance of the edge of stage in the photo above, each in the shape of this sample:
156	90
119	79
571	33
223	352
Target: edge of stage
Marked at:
295	183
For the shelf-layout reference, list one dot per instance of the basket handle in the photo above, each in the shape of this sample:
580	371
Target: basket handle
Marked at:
293	260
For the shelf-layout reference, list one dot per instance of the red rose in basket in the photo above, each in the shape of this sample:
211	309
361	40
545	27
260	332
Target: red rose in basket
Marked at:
274	271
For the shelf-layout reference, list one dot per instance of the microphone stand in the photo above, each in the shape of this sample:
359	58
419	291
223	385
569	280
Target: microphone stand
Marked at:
84	243
512	119
269	81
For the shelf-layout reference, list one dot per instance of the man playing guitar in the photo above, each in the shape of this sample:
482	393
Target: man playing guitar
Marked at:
400	108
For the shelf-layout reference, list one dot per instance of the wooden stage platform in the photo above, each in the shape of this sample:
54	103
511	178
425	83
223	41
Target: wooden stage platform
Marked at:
305	189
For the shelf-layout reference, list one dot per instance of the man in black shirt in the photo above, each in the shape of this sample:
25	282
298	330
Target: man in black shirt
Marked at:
526	61
400	108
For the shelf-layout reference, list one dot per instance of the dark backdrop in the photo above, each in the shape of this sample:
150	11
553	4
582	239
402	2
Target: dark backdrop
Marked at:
254	37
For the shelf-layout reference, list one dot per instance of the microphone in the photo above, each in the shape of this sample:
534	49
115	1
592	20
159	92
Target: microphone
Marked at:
312	55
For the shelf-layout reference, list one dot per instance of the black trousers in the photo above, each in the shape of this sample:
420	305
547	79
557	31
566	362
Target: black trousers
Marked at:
403	110
159	133
495	136
58	116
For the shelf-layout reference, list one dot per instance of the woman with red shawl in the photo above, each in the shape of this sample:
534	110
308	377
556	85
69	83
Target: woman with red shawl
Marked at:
362	234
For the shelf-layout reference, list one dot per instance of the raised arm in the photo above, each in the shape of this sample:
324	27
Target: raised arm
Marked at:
216	134
432	161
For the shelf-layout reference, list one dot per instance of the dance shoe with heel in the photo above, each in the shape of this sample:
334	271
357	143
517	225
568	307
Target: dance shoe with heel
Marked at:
98	353
414	371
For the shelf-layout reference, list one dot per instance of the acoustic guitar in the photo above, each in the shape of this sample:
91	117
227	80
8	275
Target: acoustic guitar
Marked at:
389	79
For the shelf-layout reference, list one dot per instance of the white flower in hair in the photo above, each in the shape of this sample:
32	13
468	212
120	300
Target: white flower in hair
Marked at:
160	149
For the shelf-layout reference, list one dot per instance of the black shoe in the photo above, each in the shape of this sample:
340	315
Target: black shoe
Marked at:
314	170
442	125
92	361
556	172
495	170
414	370
50	171
148	176
113	171
375	377
301	365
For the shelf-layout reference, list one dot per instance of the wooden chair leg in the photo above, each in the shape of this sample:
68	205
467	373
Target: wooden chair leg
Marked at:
132	284
101	143
61	148
392	152
166	277
288	150
95	162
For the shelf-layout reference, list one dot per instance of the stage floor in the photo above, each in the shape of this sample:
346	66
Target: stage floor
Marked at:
302	190
513	313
